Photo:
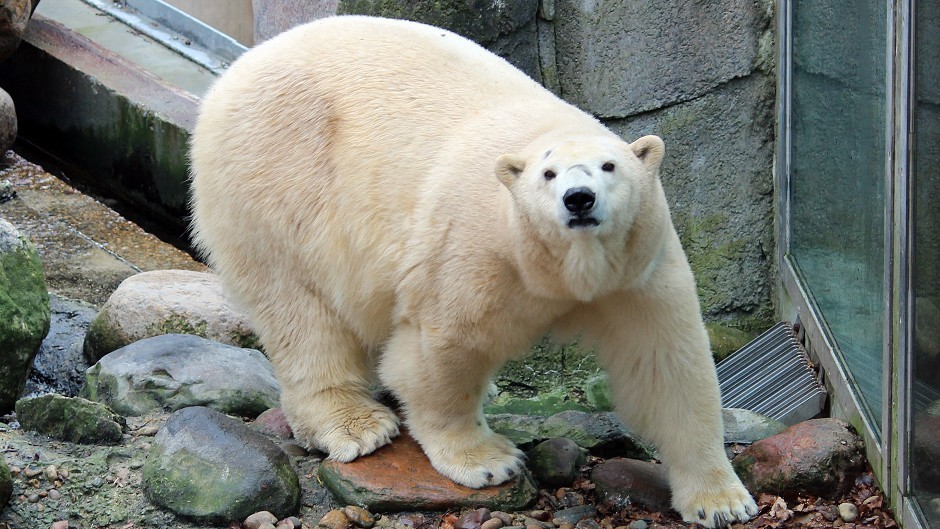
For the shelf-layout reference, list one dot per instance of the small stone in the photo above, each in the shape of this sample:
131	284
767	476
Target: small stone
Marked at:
473	519
50	472
505	517
287	523
588	524
638	524
294	450
576	514
15	471
565	525
257	519
848	512
492	523
542	516
146	431
359	516
60	524
335	519
64	473
54	494
31	472
32	497
273	422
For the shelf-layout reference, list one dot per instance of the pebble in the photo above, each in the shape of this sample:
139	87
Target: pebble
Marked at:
848	512
492	523
32	497
64	473
288	523
257	519
147	431
15	470
574	515
50	472
473	519
505	517
54	494
566	525
588	523
359	516
60	524
638	524
335	519
542	516
31	472
294	450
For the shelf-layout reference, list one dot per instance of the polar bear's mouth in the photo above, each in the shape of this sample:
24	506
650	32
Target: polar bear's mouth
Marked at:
582	222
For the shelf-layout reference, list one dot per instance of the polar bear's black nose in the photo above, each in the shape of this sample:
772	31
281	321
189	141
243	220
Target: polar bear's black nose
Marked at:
579	199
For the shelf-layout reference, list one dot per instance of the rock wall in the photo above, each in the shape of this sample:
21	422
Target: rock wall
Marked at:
700	74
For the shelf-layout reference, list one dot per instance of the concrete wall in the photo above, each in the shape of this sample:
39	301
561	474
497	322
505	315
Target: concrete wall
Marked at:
232	17
698	73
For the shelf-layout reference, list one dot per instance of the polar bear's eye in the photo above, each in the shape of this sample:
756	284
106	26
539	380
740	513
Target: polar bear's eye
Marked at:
608	167
549	174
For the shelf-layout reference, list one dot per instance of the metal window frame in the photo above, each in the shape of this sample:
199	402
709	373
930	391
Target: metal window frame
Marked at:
889	452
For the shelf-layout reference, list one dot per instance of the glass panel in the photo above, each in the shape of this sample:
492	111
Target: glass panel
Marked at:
837	176
925	464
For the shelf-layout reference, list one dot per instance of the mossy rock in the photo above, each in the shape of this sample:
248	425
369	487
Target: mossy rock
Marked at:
24	311
726	340
76	420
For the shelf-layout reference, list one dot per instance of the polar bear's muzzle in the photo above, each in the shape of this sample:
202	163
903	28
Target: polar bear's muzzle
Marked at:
579	201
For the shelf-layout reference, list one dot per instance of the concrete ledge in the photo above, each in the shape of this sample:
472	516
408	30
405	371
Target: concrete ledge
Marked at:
125	127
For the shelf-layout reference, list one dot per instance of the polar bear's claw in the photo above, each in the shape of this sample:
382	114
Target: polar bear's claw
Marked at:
491	461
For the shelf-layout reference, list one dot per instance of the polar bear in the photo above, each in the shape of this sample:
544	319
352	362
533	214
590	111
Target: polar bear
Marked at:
388	198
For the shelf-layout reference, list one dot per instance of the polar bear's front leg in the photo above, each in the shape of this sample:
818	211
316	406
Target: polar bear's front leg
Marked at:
324	375
653	344
442	392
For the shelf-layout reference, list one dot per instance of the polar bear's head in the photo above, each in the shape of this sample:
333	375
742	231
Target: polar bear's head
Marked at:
582	186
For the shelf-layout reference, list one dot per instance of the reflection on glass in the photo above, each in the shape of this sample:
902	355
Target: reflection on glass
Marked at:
837	176
925	464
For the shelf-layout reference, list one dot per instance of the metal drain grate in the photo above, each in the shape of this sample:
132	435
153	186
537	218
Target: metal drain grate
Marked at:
772	376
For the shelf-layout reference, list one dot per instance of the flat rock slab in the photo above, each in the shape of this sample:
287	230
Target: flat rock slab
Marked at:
821	457
167	302
623	482
70	419
399	477
174	371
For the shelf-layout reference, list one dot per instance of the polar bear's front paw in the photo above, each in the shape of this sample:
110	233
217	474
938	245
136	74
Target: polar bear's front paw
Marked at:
717	508
346	428
491	460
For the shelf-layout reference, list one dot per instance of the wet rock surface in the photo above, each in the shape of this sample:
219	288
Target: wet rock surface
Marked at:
821	457
70	419
24	311
8	123
59	366
399	477
175	371
213	468
165	302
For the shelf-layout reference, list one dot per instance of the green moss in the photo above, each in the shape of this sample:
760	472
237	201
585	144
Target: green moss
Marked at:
76	420
177	324
726	340
559	368
24	317
102	338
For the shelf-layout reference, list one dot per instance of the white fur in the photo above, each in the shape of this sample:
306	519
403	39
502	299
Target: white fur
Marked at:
374	192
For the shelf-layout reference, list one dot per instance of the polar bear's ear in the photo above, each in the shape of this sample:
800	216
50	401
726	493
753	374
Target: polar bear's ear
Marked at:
650	150
508	168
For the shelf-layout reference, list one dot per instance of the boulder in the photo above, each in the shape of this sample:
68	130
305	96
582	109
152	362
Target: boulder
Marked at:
602	433
175	371
14	16
59	366
399	477
214	469
8	123
554	463
76	420
167	302
746	426
6	483
624	482
820	457
24	311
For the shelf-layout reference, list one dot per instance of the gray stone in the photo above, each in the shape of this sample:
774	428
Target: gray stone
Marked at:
14	16
721	193
574	515
24	311
848	512
554	463
746	427
619	59
601	433
821	457
522	430
175	371
212	468
597	392
166	302
624	482
8	124
70	419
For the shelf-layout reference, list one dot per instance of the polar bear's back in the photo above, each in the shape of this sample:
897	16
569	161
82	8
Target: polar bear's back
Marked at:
314	150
